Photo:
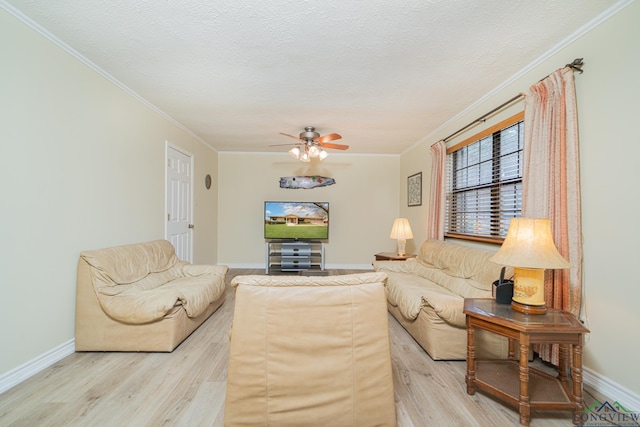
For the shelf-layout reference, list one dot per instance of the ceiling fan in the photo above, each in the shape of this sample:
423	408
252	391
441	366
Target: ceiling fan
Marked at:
310	144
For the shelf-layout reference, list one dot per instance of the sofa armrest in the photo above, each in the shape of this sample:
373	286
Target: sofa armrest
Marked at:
448	307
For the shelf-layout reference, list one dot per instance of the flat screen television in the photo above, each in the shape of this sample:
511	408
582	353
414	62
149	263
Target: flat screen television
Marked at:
296	220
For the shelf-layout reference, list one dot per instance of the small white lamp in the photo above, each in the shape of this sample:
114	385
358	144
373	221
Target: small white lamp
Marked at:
529	249
401	230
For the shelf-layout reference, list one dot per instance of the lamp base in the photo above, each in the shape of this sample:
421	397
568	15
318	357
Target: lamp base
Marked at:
402	244
528	309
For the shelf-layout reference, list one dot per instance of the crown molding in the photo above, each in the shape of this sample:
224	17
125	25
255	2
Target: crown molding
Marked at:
93	66
611	11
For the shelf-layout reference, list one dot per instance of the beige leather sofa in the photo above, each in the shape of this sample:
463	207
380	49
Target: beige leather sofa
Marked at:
310	351
141	297
426	295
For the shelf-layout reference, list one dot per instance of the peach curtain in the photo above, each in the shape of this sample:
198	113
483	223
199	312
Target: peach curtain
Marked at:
437	195
551	185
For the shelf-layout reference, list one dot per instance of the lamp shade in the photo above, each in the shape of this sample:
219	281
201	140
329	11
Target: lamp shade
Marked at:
295	152
529	244
401	229
314	151
304	156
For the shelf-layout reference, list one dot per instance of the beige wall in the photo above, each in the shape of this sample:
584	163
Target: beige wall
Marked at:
608	92
205	244
83	168
363	204
419	160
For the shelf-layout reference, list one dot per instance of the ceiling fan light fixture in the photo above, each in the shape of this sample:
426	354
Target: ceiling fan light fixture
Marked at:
314	151
304	156
295	152
310	145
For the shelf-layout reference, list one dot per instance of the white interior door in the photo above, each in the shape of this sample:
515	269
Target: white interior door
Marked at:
179	229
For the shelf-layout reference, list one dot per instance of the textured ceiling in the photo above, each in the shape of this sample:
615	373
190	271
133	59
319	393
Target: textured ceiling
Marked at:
384	74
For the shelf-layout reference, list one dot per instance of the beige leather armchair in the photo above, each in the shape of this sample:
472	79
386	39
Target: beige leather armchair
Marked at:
310	351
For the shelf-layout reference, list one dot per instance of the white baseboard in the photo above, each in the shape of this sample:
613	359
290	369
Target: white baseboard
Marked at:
29	369
251	266
612	390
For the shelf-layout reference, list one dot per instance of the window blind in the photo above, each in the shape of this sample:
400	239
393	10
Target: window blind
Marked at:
484	183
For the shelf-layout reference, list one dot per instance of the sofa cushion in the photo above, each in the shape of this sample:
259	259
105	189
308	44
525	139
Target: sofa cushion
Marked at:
131	263
464	287
409	292
134	306
104	284
464	270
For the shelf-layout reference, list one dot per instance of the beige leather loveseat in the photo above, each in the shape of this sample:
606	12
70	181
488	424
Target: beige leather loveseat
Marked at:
426	295
141	297
310	351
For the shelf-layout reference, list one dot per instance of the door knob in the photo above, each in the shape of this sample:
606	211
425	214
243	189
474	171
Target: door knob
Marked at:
191	225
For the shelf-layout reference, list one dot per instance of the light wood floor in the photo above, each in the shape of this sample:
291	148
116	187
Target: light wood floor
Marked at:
187	387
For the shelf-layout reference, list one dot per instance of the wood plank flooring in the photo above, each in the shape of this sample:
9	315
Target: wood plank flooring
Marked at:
187	387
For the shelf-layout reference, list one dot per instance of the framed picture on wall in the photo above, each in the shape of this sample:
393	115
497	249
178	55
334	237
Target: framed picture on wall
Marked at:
414	190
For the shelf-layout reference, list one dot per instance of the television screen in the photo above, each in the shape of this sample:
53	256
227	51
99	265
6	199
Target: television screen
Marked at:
296	220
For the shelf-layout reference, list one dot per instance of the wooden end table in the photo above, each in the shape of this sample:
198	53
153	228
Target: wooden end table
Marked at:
393	256
512	380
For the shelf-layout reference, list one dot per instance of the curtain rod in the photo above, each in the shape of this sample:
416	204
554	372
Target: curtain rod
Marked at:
576	65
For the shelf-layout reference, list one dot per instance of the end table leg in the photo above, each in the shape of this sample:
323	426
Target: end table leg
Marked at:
577	378
563	365
471	360
524	406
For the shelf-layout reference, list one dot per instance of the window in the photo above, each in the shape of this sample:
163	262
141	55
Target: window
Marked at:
484	182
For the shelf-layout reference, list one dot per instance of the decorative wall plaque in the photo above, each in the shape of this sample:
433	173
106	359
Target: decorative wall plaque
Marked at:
305	182
414	190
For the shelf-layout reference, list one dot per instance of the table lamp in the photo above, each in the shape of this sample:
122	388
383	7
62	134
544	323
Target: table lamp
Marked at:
529	249
401	230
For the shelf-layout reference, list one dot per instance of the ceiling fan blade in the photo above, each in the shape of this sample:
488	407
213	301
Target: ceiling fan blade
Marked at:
334	146
291	136
285	145
327	138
